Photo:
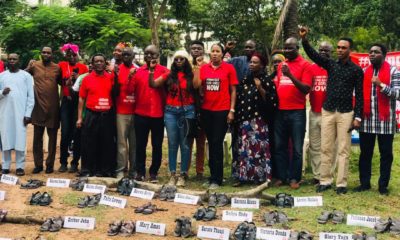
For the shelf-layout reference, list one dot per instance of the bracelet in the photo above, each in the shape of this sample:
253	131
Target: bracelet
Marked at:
232	110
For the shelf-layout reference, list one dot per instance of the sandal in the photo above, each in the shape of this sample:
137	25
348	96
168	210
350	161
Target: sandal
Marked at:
127	228
3	214
45	199
281	217
114	229
222	200
200	213
186	227
338	217
79	183
303	235
270	218
294	235
142	208
150	209
240	231
211	213
94	200
212	200
394	227
251	231
35	198
324	217
163	193
383	225
171	191
56	225
84	202
178	227
46	225
32	184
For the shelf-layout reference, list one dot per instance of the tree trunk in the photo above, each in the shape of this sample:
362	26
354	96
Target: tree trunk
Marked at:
291	23
154	20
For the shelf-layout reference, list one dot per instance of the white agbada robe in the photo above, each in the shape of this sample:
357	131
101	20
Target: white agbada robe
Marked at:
14	107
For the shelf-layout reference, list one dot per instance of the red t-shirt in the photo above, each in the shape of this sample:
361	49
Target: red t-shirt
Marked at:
96	89
150	102
175	94
216	83
291	98
125	102
1	66
319	77
67	70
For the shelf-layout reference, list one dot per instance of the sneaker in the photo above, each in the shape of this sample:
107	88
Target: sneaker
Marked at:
178	227
63	168
323	188
73	169
37	170
20	172
181	181
153	179
213	186
172	180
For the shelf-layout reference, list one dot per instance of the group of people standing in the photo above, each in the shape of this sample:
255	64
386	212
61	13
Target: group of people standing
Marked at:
109	111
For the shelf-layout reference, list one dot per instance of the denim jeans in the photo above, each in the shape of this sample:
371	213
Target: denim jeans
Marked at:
289	124
174	120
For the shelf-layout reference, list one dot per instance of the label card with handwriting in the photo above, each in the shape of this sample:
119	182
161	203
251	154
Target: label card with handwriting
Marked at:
79	222
272	234
150	228
9	179
94	188
2	195
141	193
5	238
308	201
245	203
186	198
334	236
58	182
362	221
213	232
237	216
112	201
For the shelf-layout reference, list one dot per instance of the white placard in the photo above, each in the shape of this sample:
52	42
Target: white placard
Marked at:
58	182
112	201
79	222
308	201
245	203
9	179
150	228
237	216
186	198
94	188
272	234
334	236
361	220
5	238
2	195
213	232
142	193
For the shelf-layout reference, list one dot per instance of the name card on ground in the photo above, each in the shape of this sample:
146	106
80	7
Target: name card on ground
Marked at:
79	222
334	236
245	203
94	188
58	182
112	201
308	201
272	234
362	221
5	238
9	179
213	232
186	198
150	228
237	216
141	193
2	195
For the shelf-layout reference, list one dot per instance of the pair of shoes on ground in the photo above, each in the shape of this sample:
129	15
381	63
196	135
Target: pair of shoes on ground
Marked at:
205	214
52	224
322	188
179	181
275	217
283	200
39	169
167	193
148	208
32	184
364	236
388	225
218	200
89	201
183	227
79	183
245	231
125	186
3	214
124	228
41	199
18	172
303	235
336	216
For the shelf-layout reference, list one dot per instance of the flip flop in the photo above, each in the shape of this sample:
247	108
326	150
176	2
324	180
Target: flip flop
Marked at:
150	209
338	217
46	225
324	217
56	225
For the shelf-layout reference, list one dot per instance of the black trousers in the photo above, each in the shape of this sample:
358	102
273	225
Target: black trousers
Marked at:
68	117
215	126
143	126
38	132
367	144
99	143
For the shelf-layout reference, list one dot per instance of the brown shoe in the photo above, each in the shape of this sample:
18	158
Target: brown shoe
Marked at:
294	185
278	183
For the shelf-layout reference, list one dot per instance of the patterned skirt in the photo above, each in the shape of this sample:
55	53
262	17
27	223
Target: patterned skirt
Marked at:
253	162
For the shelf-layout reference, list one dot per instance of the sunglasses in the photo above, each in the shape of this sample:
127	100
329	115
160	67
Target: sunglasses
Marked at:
179	59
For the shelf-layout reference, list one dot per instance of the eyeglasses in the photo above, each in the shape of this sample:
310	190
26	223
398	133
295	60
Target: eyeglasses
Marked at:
179	59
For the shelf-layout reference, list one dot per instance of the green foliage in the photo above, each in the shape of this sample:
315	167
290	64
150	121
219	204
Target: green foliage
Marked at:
8	8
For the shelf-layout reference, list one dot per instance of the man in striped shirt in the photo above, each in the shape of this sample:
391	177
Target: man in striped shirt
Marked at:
381	90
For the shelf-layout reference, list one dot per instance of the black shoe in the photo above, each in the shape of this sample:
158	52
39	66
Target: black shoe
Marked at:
361	188
63	168
73	169
5	171
49	170
20	172
384	191
341	190
37	170
323	188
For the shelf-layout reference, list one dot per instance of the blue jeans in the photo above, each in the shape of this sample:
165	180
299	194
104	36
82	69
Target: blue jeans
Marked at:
289	124
174	120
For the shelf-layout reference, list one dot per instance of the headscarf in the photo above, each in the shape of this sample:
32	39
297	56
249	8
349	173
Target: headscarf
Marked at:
181	53
70	46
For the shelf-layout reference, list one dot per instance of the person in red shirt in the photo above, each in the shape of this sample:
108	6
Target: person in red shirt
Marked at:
290	120
149	114
219	81
70	71
125	106
98	129
1	66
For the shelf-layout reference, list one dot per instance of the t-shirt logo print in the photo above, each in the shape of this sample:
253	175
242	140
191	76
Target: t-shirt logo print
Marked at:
213	84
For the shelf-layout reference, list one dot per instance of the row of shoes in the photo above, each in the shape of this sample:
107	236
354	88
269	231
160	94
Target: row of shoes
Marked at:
41	199
388	225
124	228
183	227
364	236
52	224
79	183
89	201
148	208
167	193
245	231
275	217
218	200
303	235
125	186
336	216
32	184
205	214
283	200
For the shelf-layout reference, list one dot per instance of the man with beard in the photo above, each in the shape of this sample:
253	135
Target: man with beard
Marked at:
241	63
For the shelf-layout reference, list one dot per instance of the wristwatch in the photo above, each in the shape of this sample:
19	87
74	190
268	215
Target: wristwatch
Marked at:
232	110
